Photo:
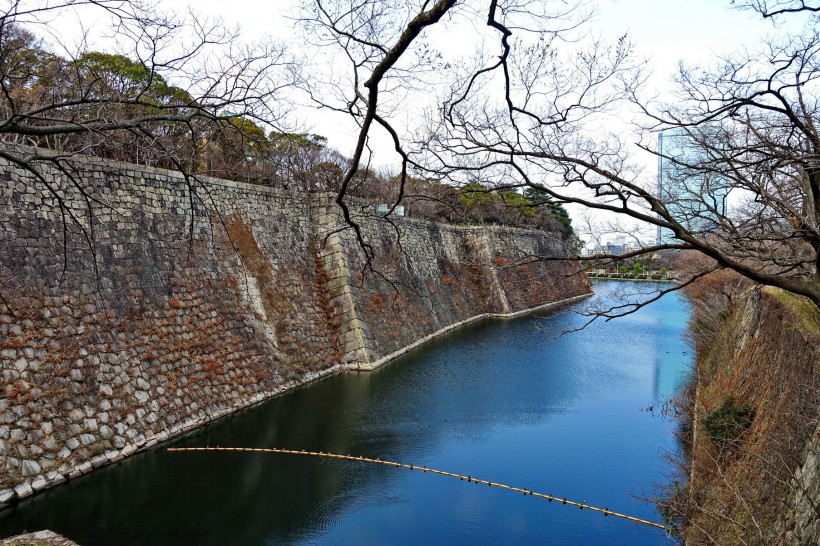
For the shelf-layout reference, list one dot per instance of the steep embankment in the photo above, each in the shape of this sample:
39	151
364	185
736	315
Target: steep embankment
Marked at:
145	304
428	277
755	476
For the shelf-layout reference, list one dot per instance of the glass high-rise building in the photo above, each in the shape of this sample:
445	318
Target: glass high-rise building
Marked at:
692	189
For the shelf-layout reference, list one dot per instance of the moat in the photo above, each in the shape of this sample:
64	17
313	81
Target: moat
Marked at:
507	401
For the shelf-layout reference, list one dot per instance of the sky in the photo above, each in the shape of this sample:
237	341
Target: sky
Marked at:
664	32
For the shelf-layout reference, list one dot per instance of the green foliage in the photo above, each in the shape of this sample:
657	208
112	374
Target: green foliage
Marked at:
541	198
302	140
249	130
637	269
23	62
728	422
117	69
516	200
109	75
486	204
475	194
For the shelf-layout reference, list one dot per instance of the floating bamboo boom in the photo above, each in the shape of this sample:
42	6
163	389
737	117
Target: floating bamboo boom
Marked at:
581	505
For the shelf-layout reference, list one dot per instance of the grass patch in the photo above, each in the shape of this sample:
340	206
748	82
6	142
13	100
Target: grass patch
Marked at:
807	313
728	422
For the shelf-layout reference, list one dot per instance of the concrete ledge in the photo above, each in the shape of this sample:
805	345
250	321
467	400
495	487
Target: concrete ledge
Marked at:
39	538
385	359
310	262
144	443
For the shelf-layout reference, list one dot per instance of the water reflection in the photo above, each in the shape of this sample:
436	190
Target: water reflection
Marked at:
500	400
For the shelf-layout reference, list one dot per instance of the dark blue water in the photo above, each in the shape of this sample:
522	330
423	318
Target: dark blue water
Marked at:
501	400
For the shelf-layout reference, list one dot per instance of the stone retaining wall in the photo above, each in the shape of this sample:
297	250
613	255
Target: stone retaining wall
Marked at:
136	304
764	351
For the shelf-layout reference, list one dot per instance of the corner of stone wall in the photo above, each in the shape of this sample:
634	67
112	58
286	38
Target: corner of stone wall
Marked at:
357	344
801	516
481	242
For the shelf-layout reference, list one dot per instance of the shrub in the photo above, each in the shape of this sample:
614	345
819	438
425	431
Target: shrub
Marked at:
729	421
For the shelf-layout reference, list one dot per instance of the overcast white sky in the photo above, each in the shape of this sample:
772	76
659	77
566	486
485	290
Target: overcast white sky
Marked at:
665	32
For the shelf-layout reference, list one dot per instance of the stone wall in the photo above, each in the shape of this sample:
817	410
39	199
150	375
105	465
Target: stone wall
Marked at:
429	277
136	304
762	487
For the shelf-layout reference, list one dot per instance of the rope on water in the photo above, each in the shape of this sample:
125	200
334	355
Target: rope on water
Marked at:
550	498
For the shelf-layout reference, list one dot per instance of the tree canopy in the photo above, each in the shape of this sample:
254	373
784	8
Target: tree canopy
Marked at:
161	98
527	113
516	126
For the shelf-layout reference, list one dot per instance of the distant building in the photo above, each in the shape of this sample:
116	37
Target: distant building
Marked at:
694	195
622	245
616	248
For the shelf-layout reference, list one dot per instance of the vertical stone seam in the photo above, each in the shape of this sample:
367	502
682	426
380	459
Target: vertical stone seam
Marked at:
357	351
484	245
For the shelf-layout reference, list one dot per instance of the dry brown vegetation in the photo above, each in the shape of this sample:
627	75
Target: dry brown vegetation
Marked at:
758	352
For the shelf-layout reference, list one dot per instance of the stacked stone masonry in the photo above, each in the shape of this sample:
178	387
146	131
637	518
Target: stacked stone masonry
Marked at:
147	304
765	351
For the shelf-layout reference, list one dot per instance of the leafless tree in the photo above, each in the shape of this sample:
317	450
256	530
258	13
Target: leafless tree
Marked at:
532	113
167	91
773	8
